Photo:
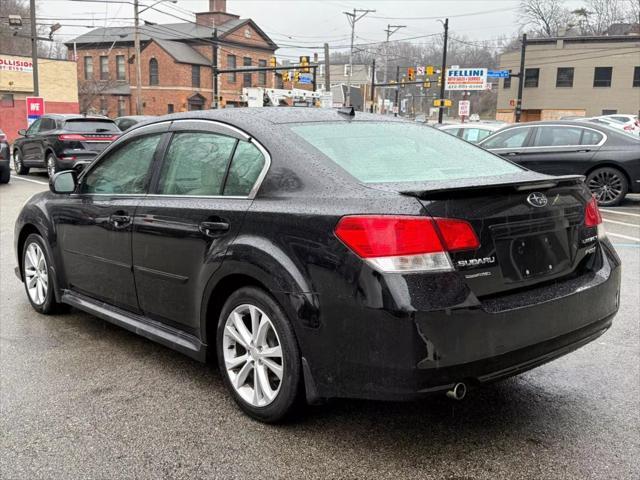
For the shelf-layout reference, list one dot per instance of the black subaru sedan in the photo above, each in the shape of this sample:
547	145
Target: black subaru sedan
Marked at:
321	253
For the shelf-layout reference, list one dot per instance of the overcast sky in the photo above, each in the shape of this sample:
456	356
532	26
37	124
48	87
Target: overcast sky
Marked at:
308	23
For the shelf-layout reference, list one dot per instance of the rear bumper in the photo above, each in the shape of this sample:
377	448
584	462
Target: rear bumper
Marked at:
71	160
405	357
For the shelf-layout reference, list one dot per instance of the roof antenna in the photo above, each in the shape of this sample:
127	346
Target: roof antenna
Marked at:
347	111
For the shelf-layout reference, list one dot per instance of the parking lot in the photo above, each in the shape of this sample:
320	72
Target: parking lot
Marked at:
81	398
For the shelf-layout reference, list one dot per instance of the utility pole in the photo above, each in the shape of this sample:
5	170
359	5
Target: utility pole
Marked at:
373	83
391	29
327	69
34	47
395	104
216	99
136	42
353	19
521	78
444	68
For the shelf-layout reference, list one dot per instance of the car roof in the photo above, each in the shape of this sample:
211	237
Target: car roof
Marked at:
75	116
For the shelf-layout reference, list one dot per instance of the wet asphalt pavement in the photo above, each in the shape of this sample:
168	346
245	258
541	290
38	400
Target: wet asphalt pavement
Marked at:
82	399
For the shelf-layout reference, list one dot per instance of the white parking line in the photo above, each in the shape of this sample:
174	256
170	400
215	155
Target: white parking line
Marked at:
626	237
621	223
29	180
618	212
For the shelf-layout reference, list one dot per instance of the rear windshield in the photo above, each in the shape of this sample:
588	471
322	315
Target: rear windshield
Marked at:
90	126
378	152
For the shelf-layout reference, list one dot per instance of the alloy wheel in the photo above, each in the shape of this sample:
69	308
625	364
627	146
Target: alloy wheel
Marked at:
606	185
17	162
253	355
51	166
36	273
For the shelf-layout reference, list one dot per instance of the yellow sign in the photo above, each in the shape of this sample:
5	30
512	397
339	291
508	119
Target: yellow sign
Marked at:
429	70
442	103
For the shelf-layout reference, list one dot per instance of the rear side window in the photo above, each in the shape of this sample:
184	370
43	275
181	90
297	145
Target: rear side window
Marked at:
377	152
590	137
557	136
474	135
452	131
90	126
124	171
513	138
196	164
245	169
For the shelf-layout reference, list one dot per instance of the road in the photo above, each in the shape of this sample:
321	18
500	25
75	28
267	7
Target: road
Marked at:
80	398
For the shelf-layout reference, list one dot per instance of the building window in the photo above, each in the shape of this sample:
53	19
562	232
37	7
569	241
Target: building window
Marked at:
262	76
231	63
120	68
195	76
531	76
88	68
609	112
506	83
104	68
7	100
104	108
636	77
564	77
170	108
246	77
122	107
602	76
154	78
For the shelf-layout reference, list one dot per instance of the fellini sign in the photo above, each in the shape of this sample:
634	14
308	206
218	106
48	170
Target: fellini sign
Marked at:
15	65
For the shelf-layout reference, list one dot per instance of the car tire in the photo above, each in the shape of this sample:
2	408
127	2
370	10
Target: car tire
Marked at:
248	356
52	165
38	275
18	166
5	175
609	185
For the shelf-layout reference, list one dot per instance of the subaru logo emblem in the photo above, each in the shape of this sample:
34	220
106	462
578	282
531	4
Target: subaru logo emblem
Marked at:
537	199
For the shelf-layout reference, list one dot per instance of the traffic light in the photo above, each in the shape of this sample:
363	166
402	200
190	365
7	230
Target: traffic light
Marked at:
273	62
285	76
411	74
429	70
440	80
427	84
402	82
296	76
304	64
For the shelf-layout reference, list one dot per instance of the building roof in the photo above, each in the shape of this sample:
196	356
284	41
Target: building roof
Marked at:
585	39
182	52
361	74
171	31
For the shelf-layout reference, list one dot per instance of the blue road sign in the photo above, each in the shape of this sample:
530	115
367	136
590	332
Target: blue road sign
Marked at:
306	79
498	74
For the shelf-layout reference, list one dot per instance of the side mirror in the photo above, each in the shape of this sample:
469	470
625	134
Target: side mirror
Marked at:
22	132
64	182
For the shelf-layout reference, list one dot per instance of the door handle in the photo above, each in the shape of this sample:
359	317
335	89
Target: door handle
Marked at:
511	154
119	221
210	229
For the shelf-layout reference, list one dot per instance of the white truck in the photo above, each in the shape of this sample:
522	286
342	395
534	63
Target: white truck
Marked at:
273	97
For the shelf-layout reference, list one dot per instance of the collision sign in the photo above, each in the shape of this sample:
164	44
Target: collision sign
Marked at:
466	79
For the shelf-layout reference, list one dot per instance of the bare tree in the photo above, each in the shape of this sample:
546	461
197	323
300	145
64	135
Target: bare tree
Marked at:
14	45
544	17
90	90
605	13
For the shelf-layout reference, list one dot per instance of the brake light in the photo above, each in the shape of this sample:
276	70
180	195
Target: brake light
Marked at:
628	128
71	137
404	243
593	218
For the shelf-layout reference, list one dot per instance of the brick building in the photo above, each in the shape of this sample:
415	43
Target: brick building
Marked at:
176	59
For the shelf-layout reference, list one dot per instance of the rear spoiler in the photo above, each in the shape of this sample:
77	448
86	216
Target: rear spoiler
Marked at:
473	186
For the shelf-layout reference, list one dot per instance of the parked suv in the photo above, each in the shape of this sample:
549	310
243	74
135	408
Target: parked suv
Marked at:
62	142
5	174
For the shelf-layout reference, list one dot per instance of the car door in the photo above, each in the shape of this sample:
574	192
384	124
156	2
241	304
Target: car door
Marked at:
95	223
183	228
29	144
510	143
47	125
560	149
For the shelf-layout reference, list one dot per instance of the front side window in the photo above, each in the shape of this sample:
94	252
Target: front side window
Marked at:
35	127
564	77
104	68
120	67
154	75
557	136
376	152
124	171
245	169
88	68
195	164
531	77
602	76
513	138
47	124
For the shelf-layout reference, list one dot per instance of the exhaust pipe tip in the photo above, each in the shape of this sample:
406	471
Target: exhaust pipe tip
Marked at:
458	392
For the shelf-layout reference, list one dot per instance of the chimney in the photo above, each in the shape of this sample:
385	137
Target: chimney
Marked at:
216	16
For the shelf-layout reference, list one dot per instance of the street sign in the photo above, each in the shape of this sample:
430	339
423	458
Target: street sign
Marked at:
35	108
464	108
498	73
466	79
420	70
442	102
305	80
395	109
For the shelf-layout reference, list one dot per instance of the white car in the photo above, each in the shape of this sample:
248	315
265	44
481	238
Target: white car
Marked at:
471	132
630	122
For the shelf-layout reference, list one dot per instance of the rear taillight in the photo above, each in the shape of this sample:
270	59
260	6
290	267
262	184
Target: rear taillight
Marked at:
71	137
76	137
593	218
393	243
628	128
